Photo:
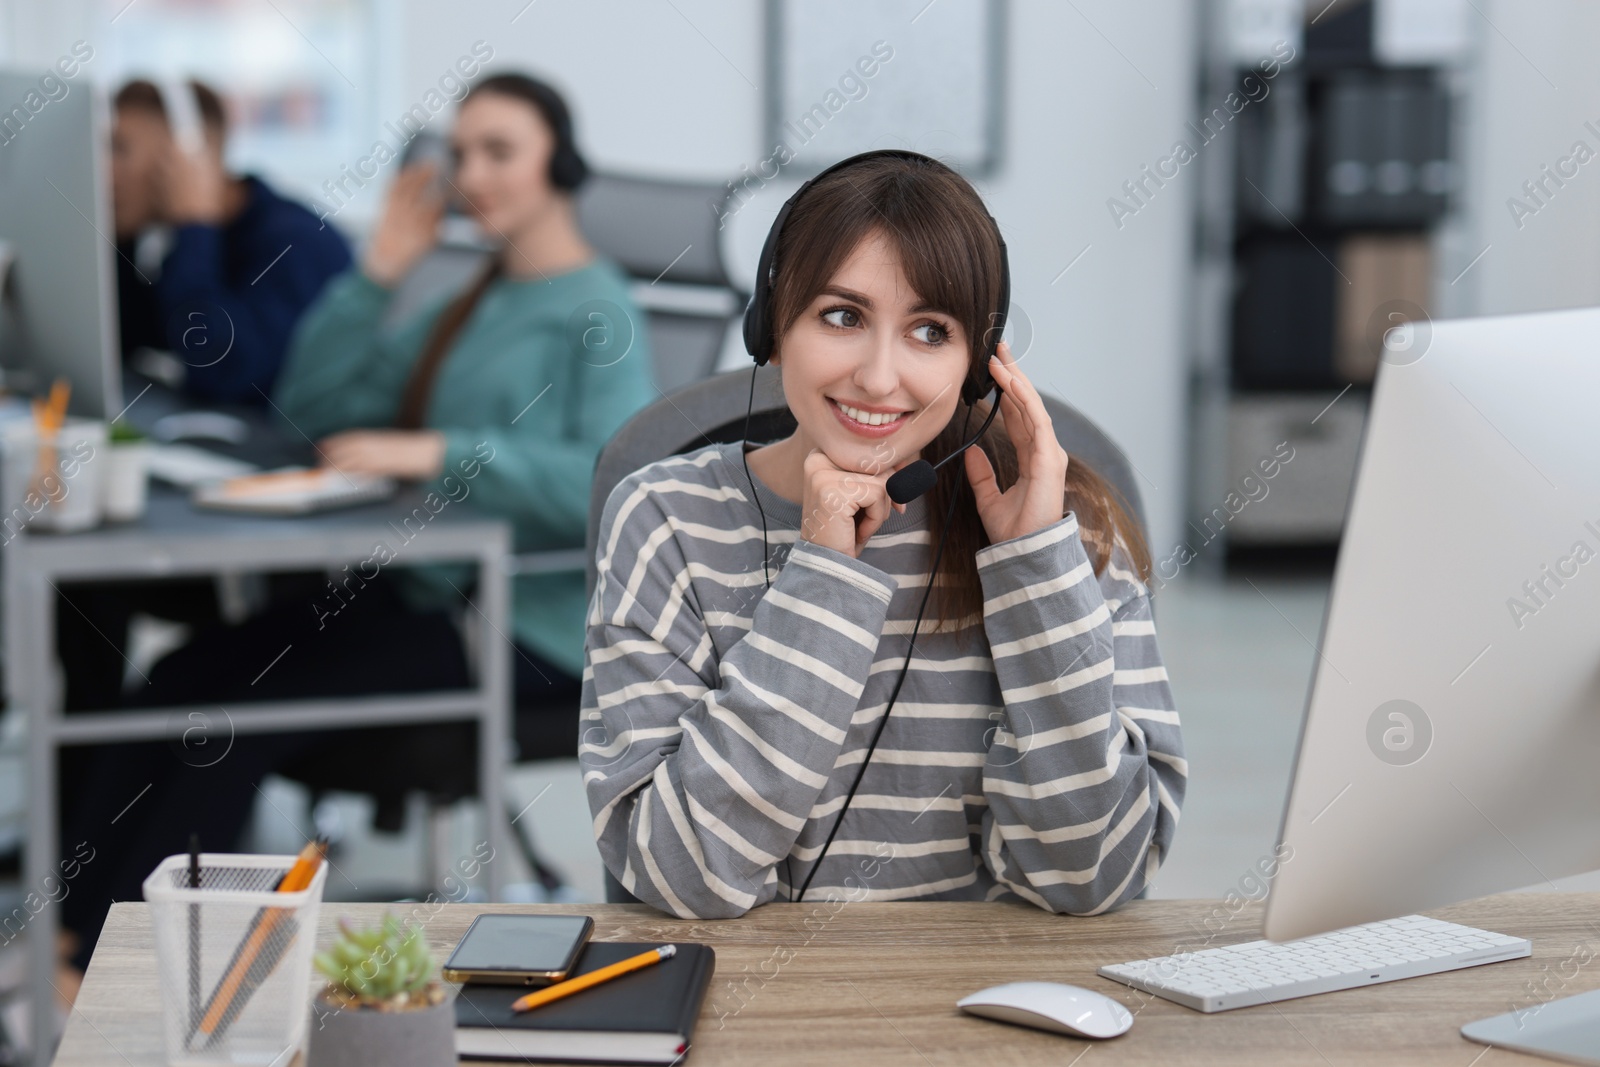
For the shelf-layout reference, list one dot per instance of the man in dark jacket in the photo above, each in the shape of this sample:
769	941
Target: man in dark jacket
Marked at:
241	263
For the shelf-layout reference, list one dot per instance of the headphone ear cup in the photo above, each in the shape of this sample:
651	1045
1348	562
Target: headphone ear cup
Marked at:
758	339
755	330
977	385
567	168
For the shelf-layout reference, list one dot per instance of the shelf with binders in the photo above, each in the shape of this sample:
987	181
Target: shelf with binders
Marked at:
1342	176
1341	179
1328	204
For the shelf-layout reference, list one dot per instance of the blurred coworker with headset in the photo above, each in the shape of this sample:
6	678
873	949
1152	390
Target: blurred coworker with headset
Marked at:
506	391
502	394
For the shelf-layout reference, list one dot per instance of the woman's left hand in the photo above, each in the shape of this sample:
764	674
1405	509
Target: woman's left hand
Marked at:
413	454
1038	497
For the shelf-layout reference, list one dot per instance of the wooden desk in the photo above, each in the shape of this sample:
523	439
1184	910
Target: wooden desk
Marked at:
877	983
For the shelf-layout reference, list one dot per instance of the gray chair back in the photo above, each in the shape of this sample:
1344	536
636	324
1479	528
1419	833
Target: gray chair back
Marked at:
665	237
656	229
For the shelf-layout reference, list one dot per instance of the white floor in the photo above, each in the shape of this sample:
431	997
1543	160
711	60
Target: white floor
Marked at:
1239	657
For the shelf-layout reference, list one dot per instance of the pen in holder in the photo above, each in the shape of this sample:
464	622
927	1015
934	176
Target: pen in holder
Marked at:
233	956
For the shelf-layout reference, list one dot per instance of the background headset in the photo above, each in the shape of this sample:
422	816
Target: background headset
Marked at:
906	484
568	170
180	103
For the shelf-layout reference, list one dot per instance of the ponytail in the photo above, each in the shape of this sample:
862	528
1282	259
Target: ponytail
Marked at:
419	387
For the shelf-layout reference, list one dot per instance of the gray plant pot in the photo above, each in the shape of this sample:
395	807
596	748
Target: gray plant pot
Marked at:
356	1038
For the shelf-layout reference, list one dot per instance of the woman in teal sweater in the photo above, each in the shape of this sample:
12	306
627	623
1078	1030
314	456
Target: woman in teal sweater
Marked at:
504	393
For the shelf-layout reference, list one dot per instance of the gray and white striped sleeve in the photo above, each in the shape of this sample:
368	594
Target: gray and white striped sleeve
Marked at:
700	774
1085	782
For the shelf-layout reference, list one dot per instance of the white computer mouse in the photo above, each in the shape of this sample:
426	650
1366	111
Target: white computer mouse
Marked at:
1063	1009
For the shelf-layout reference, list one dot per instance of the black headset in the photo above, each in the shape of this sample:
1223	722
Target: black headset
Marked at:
906	484
567	167
568	170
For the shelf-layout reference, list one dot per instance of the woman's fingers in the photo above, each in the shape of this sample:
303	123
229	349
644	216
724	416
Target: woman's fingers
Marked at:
411	192
980	475
842	509
1037	441
349	450
416	176
872	517
1024	399
1019	426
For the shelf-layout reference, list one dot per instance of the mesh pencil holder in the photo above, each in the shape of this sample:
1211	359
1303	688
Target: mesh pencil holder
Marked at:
233	958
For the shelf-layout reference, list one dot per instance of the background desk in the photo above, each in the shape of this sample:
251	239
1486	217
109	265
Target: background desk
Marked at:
877	983
176	539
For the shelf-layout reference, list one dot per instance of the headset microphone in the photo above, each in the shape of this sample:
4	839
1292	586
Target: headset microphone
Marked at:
918	476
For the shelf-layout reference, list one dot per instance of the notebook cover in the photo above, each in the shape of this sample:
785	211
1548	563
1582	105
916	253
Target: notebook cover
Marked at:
663	998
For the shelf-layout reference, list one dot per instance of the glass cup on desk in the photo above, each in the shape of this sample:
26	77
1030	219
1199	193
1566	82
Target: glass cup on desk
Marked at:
54	482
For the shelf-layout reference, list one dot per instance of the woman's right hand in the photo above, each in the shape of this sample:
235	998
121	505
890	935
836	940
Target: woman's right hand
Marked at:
409	226
841	509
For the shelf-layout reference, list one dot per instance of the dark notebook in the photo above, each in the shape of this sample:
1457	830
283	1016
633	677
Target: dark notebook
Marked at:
646	1016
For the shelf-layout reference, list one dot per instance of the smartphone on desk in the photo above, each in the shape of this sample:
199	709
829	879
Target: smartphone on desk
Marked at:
519	949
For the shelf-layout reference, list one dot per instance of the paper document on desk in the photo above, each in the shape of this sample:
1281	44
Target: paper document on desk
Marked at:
186	466
294	491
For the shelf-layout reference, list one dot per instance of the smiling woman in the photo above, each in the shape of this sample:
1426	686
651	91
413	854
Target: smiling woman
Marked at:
745	736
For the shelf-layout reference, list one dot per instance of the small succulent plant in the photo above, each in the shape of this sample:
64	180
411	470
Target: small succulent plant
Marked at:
124	433
387	967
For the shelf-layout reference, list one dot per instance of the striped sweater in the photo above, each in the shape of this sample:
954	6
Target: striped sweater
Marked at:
1034	754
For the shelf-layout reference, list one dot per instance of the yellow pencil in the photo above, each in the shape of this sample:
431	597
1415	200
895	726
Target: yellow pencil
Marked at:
594	978
221	1008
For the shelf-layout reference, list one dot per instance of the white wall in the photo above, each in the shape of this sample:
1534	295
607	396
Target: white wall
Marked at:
677	89
1536	85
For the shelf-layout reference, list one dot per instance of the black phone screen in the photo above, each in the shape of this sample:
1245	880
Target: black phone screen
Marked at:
520	943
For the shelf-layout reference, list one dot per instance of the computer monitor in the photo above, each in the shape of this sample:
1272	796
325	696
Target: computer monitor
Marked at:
58	310
1452	732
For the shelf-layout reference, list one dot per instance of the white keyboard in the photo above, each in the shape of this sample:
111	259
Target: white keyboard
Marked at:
187	466
1240	976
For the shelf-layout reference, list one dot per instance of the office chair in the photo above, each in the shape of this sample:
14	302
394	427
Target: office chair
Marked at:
698	416
665	236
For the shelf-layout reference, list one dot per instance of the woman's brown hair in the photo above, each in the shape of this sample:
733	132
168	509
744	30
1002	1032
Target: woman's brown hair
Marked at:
950	253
